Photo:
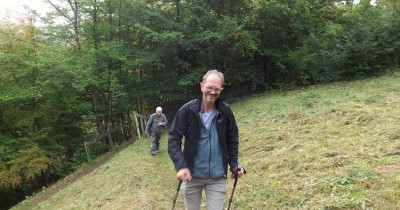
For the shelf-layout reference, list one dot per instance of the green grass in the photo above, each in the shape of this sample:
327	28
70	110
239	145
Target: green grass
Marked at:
333	146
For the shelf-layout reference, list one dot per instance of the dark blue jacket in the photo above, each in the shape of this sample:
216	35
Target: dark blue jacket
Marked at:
187	123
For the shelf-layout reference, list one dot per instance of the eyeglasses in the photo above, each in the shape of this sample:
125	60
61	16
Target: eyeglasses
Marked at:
216	90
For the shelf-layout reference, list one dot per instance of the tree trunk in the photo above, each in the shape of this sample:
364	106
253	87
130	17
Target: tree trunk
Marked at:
178	12
75	23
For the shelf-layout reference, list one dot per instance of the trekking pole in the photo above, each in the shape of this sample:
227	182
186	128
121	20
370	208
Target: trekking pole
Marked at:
236	175
176	195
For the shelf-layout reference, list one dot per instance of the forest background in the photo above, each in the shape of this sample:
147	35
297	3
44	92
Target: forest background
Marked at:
81	72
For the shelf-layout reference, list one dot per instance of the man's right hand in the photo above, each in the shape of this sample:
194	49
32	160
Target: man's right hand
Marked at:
184	174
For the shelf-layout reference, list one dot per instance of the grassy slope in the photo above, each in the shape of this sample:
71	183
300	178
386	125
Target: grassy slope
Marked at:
334	146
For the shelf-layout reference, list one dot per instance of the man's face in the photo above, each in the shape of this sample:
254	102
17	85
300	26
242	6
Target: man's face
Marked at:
211	88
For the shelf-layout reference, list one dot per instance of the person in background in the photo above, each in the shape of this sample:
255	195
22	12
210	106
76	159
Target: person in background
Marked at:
157	121
211	144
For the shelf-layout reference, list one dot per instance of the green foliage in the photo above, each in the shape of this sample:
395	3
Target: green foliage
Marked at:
30	163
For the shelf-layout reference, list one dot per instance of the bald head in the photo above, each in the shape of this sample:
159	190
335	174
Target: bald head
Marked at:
159	110
220	75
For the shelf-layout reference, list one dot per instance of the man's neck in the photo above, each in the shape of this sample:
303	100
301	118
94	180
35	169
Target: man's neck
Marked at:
207	107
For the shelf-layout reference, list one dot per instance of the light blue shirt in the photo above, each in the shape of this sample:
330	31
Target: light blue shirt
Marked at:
208	162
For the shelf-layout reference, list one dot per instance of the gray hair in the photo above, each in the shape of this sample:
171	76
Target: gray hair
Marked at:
159	109
216	72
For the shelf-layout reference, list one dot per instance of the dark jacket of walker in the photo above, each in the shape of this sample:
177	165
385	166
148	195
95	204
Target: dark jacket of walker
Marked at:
187	123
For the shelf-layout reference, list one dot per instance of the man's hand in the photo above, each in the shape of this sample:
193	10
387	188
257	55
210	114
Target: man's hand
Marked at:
184	174
240	170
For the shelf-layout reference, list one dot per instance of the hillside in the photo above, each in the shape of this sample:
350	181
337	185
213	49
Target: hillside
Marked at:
334	146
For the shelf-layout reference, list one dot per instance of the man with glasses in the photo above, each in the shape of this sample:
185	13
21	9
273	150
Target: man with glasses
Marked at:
211	144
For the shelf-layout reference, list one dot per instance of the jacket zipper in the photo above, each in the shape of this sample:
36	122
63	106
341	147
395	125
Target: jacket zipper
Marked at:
209	158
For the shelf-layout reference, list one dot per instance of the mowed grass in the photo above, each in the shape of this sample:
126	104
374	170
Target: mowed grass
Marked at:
332	146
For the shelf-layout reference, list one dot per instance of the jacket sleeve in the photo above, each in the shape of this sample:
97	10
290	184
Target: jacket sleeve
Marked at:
149	124
176	132
232	140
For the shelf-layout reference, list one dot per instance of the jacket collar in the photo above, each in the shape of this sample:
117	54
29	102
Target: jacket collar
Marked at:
196	106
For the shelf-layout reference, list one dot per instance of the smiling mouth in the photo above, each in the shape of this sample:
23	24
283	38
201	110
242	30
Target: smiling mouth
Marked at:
212	96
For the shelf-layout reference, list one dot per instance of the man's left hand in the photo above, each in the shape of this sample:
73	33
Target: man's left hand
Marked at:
240	172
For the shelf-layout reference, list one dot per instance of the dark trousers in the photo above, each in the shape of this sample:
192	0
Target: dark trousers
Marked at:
155	141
